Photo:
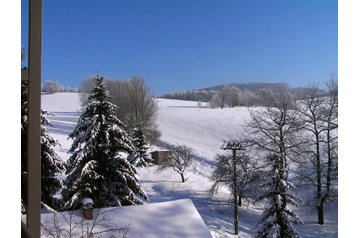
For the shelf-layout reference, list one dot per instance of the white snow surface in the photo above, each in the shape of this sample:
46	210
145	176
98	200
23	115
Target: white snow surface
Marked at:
174	219
203	130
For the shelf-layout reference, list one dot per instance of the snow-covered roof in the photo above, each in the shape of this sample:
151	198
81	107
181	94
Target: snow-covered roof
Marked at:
47	209
173	219
87	201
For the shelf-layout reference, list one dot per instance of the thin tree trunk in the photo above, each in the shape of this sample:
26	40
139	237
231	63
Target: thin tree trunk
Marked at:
320	213
182	177
319	184
329	165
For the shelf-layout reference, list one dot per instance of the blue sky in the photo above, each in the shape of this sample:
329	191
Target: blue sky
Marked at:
187	44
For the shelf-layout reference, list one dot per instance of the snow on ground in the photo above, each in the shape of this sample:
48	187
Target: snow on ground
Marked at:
65	110
203	130
150	221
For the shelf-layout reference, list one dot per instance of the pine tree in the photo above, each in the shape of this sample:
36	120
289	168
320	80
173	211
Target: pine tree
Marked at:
98	168
140	156
50	162
277	219
50	166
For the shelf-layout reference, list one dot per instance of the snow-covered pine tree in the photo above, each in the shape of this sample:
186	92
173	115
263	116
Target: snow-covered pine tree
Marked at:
277	220
140	156
50	166
50	162
98	168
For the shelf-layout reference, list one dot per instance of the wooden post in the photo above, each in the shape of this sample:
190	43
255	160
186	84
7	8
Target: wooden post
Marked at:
34	120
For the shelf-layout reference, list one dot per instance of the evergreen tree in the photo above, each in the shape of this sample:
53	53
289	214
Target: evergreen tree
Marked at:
277	220
98	168
50	162
140	155
50	166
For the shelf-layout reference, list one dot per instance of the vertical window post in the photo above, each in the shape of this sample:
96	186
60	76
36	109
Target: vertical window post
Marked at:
34	119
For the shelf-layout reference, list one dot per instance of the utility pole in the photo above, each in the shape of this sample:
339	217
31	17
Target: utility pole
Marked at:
234	146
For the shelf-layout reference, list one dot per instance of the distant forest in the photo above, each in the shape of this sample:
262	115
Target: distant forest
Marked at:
234	94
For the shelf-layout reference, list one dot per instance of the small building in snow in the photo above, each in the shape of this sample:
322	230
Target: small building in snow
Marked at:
160	156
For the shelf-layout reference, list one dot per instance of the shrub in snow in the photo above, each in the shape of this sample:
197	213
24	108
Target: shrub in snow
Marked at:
70	225
98	167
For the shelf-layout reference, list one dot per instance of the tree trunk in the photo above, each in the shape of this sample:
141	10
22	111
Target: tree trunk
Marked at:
320	213
240	201
182	178
319	183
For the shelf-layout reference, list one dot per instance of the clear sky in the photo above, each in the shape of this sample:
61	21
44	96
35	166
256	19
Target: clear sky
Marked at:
189	44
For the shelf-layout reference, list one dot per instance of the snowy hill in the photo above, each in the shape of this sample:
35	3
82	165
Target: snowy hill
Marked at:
203	130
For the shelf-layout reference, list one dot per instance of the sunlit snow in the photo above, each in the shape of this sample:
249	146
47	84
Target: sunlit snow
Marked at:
203	130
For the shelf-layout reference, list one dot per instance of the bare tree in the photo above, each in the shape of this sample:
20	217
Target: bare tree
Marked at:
52	86
142	107
275	132
241	173
230	96
85	88
179	160
265	97
247	174
320	114
136	104
216	101
248	98
311	108
331	122
276	129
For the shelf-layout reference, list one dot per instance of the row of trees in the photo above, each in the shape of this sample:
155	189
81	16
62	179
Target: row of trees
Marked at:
52	86
289	143
232	95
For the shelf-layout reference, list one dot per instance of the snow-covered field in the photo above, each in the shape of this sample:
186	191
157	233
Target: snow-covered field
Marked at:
203	130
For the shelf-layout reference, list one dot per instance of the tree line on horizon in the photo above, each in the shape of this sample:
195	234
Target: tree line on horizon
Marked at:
235	94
